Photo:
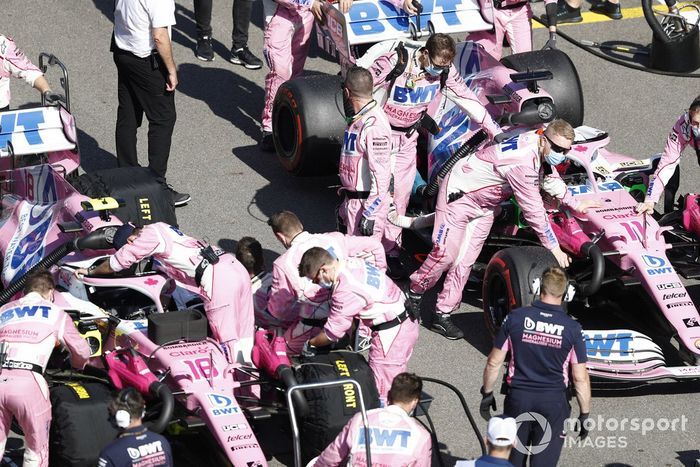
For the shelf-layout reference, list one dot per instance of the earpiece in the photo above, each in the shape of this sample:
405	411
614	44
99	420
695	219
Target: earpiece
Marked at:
122	418
568	296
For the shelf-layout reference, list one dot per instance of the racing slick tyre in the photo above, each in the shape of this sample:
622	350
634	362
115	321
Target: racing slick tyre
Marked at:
508	279
331	408
565	85
308	124
80	425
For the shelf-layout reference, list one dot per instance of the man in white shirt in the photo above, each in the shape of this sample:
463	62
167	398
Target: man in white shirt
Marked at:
147	78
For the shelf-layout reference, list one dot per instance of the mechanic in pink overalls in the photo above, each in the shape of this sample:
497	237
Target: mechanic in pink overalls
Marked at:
217	277
30	328
297	300
358	289
13	62
364	166
513	19
686	132
285	48
429	73
468	198
396	438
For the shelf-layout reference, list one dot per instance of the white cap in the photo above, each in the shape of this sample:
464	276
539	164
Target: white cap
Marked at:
502	431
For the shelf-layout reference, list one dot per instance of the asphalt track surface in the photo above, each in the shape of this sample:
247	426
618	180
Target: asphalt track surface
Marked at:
235	187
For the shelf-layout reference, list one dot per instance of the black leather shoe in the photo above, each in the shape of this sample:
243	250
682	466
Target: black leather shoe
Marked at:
442	324
395	268
609	9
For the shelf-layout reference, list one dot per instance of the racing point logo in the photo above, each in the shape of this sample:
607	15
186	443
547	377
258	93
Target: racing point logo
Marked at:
533	447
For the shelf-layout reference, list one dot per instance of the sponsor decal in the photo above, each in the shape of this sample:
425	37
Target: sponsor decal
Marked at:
585	189
621	208
604	344
145	450
418	95
381	439
245	446
234	427
349	140
542	333
669	285
656	265
691	322
678	304
669	296
619	216
234	438
372	275
30	121
637	163
24	312
222	405
254	464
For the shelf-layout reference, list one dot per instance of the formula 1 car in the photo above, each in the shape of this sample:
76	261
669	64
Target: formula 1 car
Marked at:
522	90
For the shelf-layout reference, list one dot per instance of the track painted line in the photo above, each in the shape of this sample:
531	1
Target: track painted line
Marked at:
591	17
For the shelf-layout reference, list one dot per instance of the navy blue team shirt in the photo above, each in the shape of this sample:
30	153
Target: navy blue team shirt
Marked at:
543	342
137	447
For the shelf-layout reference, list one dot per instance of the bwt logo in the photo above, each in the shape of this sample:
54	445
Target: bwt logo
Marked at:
603	345
418	95
656	265
349	140
385	438
542	326
145	450
24	312
373	18
30	121
372	275
224	405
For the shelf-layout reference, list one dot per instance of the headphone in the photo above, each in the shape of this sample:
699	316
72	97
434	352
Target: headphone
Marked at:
126	404
568	295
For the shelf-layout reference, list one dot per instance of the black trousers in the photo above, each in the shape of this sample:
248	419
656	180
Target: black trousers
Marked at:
241	12
671	189
550	406
141	90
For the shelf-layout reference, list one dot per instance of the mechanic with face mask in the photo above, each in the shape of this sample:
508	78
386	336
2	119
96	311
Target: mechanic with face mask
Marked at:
686	132
30	328
13	62
467	201
359	289
405	93
297	300
409	444
544	344
364	166
136	445
217	277
513	19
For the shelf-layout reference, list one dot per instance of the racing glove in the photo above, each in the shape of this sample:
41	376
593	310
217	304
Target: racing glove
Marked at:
308	350
366	227
52	98
583	432
552	42
488	402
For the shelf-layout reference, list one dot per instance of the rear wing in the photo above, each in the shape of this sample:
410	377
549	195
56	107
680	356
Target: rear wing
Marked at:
372	21
36	130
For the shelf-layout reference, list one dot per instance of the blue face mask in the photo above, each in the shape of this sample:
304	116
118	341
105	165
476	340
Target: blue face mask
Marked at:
433	71
554	158
696	132
325	285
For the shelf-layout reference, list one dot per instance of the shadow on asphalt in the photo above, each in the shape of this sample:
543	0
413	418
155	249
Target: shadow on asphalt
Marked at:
92	156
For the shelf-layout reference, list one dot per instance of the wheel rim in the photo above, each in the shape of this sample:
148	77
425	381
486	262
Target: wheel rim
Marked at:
286	132
498	303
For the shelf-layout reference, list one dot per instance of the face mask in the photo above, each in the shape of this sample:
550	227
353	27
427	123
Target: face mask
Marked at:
554	158
325	285
433	71
696	132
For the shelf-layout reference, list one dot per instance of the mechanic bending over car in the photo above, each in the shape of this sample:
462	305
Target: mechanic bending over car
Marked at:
13	62
296	300
512	19
358	289
216	276
405	83
468	198
364	166
544	343
30	328
686	132
413	446
501	438
136	445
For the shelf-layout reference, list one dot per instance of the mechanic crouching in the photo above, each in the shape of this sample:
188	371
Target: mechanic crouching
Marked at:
410	443
544	343
30	328
365	161
217	277
136	445
468	198
358	289
686	132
